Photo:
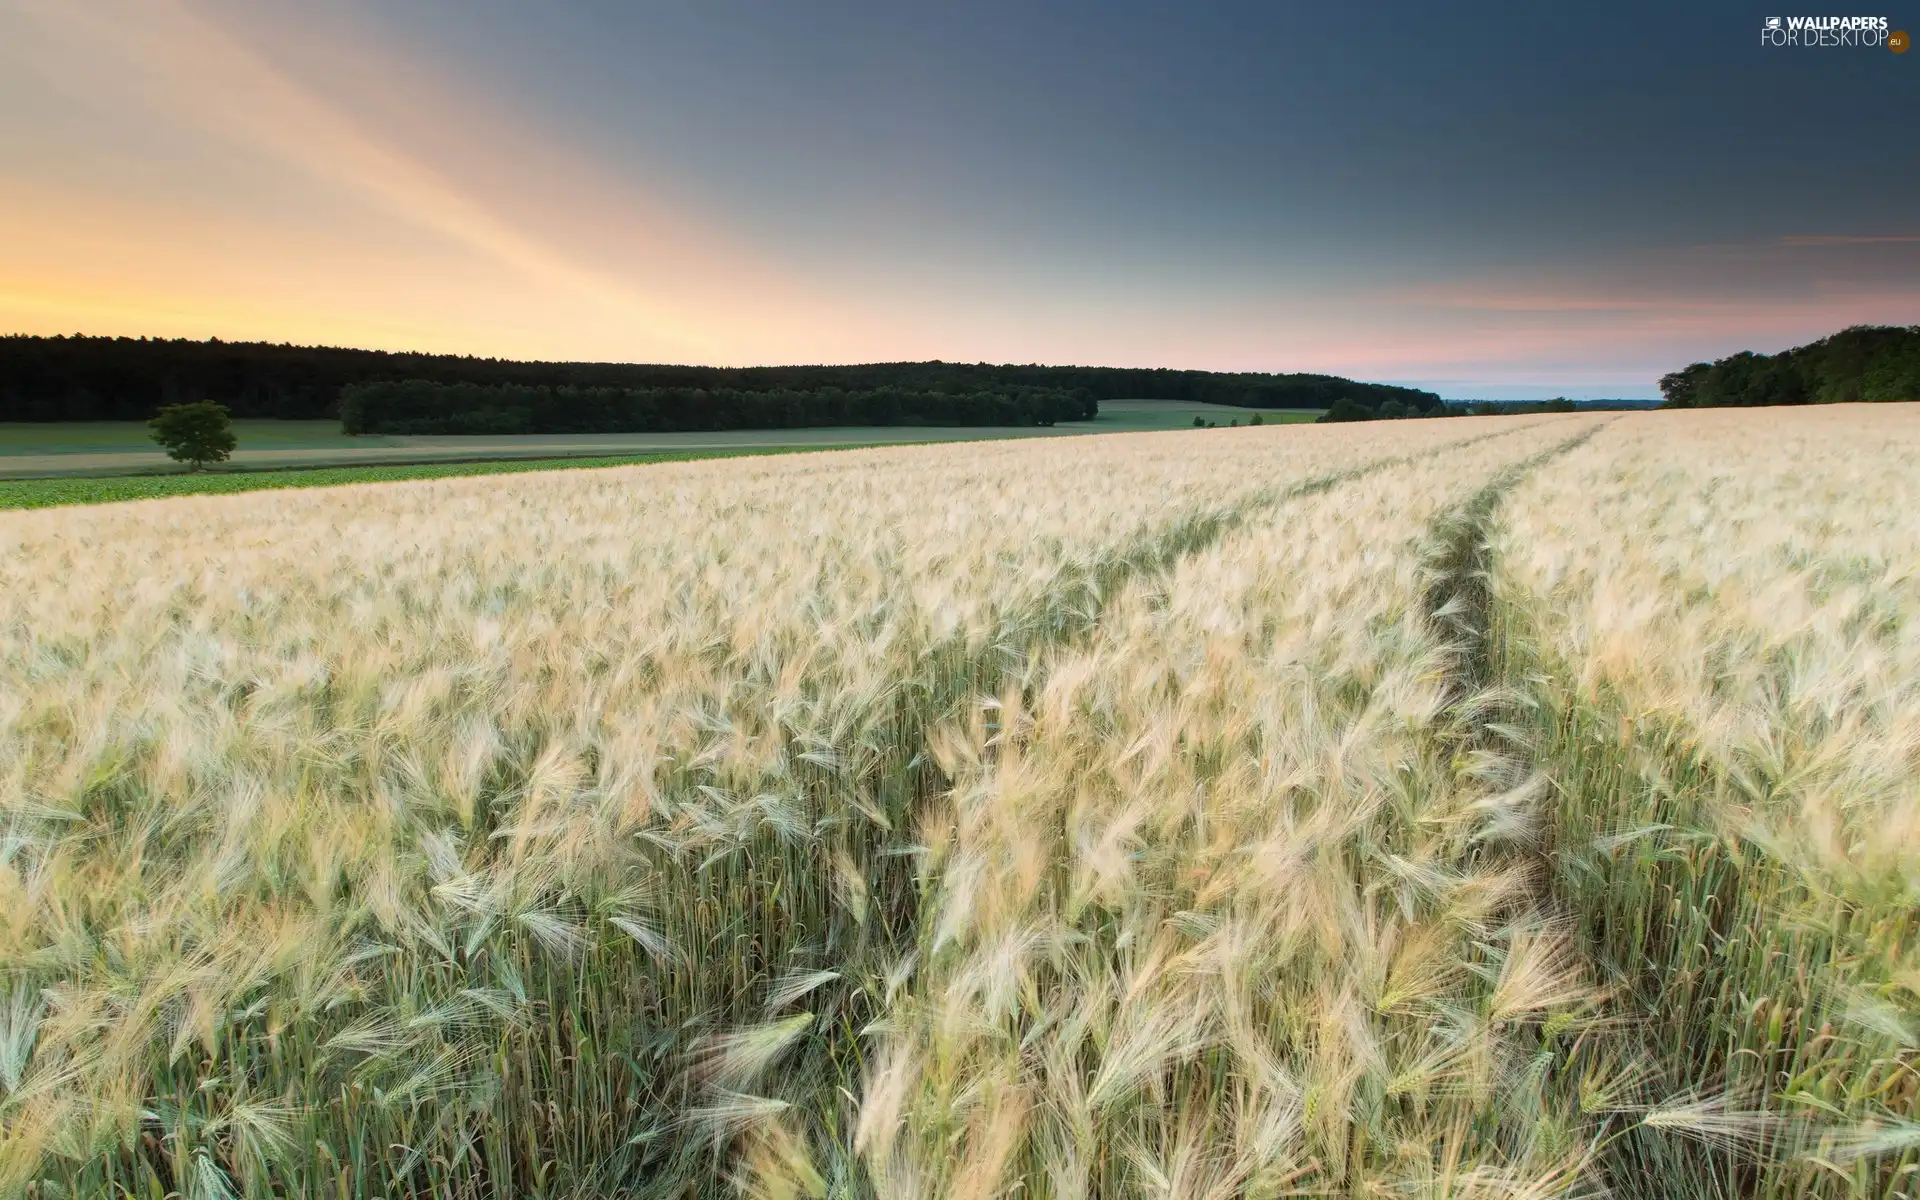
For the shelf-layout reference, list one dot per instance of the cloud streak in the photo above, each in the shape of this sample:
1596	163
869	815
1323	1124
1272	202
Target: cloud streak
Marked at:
653	284
1842	239
221	82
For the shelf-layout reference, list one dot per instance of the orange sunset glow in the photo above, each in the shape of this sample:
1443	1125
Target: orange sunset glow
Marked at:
185	169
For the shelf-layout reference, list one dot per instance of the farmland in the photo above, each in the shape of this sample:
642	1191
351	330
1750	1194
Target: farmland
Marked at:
58	490
30	450
1508	806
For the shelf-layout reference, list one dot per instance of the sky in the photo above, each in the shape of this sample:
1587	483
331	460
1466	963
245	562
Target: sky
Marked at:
1493	200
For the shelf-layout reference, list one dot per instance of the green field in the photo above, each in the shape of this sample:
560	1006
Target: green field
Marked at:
1123	416
123	447
108	437
52	493
99	462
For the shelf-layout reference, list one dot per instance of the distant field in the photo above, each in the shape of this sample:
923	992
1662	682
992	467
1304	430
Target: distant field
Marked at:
110	437
106	448
62	490
1124	415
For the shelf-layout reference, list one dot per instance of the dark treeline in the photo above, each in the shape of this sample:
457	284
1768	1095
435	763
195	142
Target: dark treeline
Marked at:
1347	411
1405	402
421	407
1514	408
128	379
1559	404
1865	363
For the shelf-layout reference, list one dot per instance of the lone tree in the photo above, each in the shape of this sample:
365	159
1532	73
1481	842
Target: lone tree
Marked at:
195	434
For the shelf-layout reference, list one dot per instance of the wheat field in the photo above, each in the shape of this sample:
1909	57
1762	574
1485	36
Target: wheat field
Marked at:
1522	807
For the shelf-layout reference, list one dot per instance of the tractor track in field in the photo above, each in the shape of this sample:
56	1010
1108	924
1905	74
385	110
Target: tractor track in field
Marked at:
1459	600
957	674
1460	605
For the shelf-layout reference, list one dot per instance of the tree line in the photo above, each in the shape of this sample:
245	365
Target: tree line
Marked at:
82	378
1866	363
417	406
1392	408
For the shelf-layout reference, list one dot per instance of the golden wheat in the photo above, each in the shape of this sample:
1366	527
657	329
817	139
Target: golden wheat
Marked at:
1517	807
443	836
1218	906
1718	617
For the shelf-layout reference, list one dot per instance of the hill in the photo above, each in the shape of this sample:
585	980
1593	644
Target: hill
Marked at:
1865	363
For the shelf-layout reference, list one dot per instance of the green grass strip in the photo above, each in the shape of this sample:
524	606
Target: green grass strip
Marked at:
51	493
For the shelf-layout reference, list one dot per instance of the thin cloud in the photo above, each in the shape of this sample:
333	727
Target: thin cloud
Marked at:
1495	299
1790	241
1848	239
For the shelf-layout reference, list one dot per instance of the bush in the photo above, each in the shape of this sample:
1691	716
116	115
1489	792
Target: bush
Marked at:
1346	408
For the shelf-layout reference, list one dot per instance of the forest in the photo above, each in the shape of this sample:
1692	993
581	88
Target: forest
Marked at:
81	378
1866	363
419	407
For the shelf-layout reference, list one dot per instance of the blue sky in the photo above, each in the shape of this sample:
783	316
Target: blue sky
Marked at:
1492	199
